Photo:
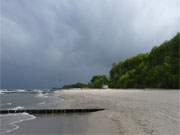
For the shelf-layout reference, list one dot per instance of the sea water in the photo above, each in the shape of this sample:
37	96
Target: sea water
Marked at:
23	99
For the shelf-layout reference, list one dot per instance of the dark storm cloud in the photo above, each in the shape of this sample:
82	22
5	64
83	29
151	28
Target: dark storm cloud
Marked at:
47	43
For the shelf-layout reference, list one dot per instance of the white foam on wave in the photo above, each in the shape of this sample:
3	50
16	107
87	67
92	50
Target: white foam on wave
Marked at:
2	91
42	95
6	104
18	108
13	124
37	90
20	90
42	103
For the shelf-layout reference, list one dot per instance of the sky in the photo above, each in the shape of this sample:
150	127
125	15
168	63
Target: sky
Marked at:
49	43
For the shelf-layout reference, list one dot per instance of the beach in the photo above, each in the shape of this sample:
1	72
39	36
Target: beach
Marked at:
128	112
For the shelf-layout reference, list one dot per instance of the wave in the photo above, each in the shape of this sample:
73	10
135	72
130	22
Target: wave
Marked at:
20	90
6	91
42	94
6	104
18	108
12	124
2	91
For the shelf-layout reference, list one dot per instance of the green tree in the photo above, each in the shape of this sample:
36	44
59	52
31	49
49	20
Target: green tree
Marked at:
98	81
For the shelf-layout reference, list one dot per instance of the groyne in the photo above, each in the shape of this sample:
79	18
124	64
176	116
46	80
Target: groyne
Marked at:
51	111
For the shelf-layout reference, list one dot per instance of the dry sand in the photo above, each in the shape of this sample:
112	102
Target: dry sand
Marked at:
128	112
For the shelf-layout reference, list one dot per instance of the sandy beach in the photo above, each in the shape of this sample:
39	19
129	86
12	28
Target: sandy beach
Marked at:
128	112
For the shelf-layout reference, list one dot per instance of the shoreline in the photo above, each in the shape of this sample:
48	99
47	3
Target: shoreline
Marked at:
127	112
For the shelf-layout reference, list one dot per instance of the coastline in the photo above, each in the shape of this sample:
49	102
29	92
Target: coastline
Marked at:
127	112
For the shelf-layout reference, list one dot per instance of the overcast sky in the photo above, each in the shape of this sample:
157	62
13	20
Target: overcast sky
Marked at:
48	43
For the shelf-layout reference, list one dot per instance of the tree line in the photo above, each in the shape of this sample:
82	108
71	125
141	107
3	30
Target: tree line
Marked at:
160	68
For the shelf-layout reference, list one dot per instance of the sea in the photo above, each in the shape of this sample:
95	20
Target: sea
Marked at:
24	123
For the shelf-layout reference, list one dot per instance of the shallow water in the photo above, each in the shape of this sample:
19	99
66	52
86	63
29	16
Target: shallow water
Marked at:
9	122
23	99
28	99
54	125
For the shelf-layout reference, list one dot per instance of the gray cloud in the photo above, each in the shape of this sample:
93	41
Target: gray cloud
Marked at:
47	43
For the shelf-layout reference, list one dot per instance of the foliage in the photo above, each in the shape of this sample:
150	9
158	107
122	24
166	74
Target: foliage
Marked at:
76	85
157	69
98	81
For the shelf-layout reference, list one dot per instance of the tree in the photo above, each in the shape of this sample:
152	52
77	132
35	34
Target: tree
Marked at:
98	81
